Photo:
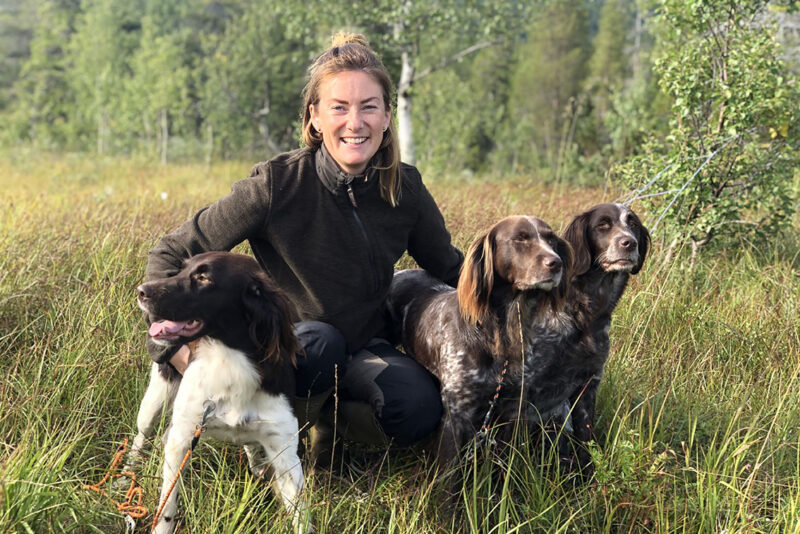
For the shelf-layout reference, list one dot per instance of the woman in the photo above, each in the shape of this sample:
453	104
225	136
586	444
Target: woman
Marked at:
328	222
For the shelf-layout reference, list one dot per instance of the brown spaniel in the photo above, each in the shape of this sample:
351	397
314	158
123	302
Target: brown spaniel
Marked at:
610	243
508	306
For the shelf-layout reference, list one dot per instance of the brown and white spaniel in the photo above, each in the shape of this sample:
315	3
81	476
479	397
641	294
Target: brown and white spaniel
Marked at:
239	324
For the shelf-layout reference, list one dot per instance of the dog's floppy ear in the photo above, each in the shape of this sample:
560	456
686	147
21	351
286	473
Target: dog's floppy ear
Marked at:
477	279
564	251
270	316
577	235
644	243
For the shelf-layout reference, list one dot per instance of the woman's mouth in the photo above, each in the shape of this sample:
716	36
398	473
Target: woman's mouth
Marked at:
353	140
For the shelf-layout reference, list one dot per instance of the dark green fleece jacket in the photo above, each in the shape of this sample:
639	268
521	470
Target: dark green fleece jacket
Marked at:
327	238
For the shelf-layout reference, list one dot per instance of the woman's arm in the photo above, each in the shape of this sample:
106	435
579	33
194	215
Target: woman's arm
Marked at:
221	226
429	243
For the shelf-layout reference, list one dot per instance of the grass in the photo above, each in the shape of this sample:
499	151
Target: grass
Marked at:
698	412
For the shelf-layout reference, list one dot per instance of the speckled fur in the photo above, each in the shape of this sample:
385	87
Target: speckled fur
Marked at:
523	321
610	244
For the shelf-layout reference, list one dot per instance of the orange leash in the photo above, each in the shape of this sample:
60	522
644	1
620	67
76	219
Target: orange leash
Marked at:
208	409
177	476
127	507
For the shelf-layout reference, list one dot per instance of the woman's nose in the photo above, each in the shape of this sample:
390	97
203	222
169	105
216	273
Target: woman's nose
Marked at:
354	120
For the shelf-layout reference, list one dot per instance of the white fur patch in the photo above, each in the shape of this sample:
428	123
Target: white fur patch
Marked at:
243	413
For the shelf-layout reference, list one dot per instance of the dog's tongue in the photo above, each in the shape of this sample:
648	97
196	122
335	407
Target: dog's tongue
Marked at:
166	327
172	328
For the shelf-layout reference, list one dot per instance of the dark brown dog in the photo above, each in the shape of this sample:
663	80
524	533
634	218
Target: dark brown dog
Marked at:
508	305
610	244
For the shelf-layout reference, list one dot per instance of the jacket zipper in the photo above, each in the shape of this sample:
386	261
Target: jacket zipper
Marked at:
372	262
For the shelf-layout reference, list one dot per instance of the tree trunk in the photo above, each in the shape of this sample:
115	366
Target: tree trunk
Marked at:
405	131
263	126
164	136
101	132
209	145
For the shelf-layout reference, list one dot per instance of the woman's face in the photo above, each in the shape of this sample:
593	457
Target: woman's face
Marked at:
351	115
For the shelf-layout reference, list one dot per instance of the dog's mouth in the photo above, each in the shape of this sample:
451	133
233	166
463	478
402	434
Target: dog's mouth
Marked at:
623	264
548	284
174	330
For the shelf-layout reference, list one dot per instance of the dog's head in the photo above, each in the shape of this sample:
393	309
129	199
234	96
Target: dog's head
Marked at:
221	295
519	252
609	237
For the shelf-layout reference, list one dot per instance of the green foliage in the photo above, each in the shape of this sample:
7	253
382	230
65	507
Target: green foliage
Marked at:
43	110
552	88
726	166
254	76
545	98
461	112
608	66
106	34
16	23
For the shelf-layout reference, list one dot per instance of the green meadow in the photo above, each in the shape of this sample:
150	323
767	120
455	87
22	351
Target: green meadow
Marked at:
698	413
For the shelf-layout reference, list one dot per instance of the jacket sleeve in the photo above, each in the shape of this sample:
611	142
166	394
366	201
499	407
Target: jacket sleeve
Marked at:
429	243
221	226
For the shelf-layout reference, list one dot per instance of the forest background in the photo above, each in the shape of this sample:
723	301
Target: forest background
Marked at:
638	92
120	118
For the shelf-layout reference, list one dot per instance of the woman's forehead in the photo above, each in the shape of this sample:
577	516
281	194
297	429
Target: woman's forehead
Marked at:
350	87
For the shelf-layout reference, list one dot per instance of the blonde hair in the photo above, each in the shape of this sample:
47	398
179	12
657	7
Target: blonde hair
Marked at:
351	52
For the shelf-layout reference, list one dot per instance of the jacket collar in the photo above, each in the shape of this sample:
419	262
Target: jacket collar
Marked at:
332	176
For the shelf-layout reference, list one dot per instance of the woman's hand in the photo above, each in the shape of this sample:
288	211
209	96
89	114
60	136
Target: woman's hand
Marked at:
180	360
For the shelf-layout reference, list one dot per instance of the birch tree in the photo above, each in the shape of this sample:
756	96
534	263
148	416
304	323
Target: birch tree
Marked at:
405	30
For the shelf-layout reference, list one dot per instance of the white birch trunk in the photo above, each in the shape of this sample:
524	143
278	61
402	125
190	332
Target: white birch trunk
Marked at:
164	136
405	131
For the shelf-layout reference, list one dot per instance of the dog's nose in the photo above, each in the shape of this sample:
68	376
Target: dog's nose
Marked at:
144	292
553	263
628	243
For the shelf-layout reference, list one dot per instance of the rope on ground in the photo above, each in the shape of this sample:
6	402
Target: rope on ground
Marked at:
131	508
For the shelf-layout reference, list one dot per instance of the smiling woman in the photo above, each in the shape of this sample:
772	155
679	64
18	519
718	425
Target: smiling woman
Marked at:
328	222
351	117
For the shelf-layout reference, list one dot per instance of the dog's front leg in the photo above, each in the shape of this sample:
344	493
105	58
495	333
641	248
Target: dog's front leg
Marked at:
159	392
584	401
280	450
179	441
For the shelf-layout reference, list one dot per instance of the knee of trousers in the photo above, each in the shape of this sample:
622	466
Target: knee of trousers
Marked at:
403	394
323	360
413	416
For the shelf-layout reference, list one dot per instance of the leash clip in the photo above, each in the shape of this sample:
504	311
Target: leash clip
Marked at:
130	524
208	408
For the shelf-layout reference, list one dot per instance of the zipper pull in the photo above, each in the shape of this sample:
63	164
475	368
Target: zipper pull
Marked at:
351	195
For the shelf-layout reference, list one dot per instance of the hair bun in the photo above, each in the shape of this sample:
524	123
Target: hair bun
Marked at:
343	38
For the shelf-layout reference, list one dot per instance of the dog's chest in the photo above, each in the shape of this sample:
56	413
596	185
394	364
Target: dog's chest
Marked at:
466	386
242	411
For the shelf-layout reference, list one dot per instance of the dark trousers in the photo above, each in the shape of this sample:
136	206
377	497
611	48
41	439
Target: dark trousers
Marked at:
404	396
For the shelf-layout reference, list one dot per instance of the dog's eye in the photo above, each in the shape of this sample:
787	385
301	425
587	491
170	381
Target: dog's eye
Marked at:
200	275
604	225
522	236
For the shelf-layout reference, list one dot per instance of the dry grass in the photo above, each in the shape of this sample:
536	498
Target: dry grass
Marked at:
698	411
